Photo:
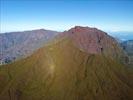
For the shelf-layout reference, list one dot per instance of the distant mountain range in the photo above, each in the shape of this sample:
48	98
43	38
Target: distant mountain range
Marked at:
128	48
16	45
82	63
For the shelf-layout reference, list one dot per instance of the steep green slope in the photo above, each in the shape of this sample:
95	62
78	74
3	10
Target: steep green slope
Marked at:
61	71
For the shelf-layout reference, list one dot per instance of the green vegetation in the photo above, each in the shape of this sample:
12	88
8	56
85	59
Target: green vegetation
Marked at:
61	71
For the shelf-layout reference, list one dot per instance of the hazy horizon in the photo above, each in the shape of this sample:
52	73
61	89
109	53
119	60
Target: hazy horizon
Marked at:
20	15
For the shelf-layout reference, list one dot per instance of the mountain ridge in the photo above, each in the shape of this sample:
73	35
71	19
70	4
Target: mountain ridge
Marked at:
17	45
62	71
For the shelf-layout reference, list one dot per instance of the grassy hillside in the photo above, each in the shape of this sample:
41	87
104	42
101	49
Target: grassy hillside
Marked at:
61	71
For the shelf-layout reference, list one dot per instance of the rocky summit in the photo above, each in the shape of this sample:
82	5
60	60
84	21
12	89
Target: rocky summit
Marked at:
94	41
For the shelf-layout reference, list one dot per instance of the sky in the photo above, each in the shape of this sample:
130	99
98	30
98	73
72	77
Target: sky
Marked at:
60	15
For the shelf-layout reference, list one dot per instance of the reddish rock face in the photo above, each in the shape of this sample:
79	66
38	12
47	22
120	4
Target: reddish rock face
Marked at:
92	40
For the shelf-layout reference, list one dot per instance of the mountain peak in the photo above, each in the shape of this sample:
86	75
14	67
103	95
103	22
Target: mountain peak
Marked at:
92	40
81	28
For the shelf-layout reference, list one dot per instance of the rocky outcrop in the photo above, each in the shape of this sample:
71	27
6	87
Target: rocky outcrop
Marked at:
94	41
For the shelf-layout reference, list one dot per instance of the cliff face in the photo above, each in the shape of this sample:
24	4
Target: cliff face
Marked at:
67	70
94	41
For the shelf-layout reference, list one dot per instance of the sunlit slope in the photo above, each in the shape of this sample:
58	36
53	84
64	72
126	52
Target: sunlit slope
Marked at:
61	71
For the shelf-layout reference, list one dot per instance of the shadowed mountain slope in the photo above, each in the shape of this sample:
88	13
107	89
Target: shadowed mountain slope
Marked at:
17	45
63	71
128	48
